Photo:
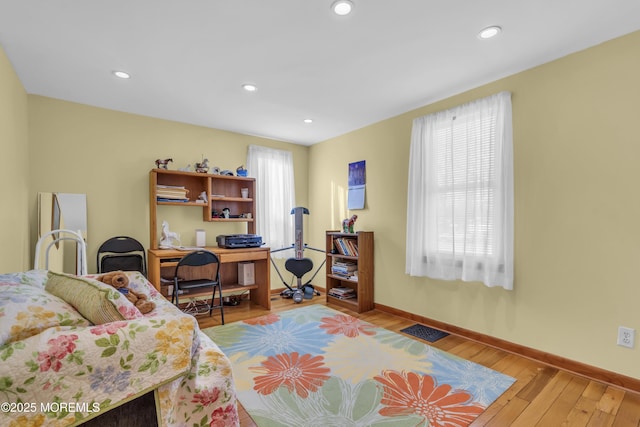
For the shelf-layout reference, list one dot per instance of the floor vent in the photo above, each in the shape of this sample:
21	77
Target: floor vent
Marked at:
424	332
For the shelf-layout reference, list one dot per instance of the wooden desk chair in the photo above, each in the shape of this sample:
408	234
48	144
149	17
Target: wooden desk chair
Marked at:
191	274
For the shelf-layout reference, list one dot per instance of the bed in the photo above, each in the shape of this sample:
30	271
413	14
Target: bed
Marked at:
68	357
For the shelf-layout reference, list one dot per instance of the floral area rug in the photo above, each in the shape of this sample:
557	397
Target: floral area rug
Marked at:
314	366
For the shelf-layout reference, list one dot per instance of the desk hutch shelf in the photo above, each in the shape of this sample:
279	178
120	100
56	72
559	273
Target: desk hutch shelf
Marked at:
222	191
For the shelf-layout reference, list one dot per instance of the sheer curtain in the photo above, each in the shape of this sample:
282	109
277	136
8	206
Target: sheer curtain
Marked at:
460	194
275	195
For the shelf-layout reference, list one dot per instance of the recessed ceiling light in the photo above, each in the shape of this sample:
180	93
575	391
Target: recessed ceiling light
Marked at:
249	87
122	74
308	120
342	7
489	32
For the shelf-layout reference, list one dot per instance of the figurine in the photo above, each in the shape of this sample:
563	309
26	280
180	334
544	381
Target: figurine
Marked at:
347	224
169	238
163	163
203	167
186	168
241	171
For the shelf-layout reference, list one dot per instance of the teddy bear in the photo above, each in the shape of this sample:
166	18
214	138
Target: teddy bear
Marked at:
120	281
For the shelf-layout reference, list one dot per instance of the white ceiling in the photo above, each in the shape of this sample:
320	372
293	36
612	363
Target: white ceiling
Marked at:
189	58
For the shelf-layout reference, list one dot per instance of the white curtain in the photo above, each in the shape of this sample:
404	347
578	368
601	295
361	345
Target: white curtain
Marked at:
275	195
460	194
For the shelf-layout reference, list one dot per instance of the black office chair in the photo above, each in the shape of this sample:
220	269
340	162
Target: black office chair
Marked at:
122	253
184	286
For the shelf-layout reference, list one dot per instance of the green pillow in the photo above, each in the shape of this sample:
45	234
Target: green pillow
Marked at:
95	301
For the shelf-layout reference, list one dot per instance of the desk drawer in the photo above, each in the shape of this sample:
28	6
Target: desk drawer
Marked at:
169	262
242	256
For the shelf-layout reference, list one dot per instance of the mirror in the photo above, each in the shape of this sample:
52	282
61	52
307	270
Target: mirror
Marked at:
61	211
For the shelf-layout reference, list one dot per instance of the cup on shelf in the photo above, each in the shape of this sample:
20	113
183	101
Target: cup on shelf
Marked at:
244	192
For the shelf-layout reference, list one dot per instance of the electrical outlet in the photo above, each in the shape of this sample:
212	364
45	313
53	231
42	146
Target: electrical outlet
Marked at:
626	336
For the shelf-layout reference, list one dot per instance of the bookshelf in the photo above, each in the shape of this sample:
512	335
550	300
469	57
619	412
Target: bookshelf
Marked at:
349	270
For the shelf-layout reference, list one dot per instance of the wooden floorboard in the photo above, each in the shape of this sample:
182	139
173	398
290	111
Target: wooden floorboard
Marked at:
542	395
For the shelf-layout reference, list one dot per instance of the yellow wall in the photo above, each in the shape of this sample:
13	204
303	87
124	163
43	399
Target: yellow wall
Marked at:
14	174
108	155
577	210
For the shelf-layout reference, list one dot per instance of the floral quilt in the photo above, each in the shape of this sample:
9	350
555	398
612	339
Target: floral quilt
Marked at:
58	369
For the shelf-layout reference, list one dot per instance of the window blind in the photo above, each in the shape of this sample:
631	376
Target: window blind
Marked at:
460	193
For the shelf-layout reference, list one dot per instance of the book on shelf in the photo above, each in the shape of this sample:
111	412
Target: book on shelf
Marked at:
342	292
171	191
343	269
164	199
166	193
179	187
168	189
171	196
344	246
345	264
343	296
353	247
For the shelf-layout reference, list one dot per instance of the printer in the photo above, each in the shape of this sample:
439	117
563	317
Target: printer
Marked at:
234	241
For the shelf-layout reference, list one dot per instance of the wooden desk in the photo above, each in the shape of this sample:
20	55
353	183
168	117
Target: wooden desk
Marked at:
162	263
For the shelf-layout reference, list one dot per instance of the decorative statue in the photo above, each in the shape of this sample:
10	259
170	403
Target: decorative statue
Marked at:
347	224
163	163
186	168
169	238
203	167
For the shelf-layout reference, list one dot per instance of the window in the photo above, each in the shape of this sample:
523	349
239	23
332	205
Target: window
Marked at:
460	194
275	195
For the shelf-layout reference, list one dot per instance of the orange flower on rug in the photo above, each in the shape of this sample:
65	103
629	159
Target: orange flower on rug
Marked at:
411	393
302	374
317	366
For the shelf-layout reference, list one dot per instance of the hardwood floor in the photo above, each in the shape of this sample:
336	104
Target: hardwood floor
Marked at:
541	396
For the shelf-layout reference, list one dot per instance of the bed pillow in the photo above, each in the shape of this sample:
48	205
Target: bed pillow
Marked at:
27	310
97	302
